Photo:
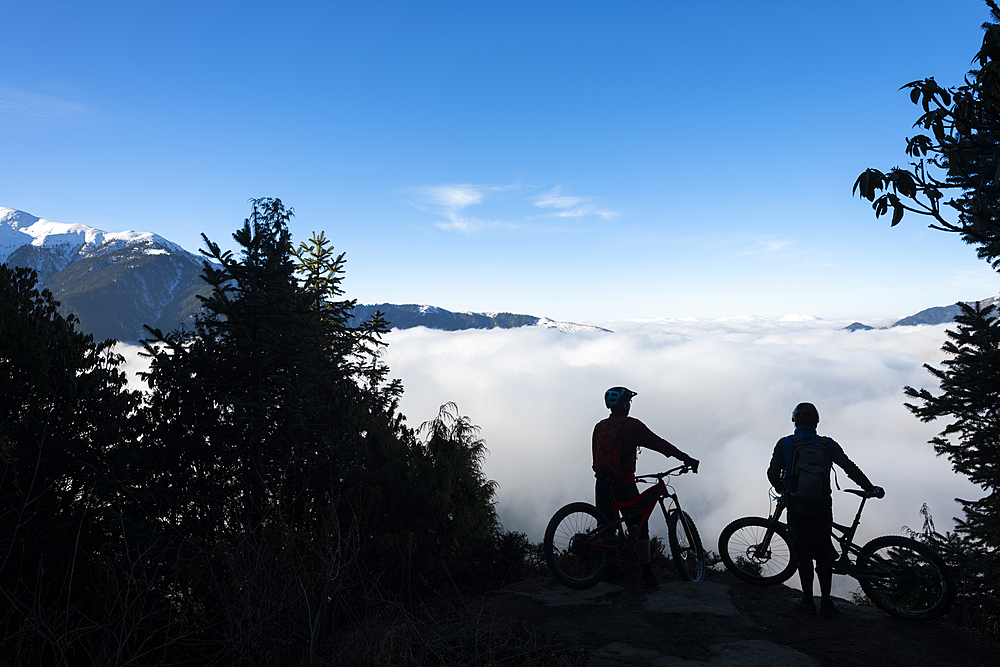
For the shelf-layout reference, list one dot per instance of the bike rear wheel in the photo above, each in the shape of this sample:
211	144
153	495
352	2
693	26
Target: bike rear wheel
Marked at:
685	546
575	554
742	548
905	578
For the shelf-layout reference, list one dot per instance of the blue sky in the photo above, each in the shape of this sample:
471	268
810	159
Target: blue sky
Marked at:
585	161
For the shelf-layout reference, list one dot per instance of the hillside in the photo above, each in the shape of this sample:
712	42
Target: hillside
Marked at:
114	282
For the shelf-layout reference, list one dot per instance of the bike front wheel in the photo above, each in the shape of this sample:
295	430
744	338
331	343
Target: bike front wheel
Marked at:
749	554
576	555
905	578
685	546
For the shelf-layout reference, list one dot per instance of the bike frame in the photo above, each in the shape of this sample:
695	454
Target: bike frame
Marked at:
843	563
645	502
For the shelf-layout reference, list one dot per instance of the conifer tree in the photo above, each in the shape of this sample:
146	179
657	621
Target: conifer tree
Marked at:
65	417
970	398
276	413
257	408
958	156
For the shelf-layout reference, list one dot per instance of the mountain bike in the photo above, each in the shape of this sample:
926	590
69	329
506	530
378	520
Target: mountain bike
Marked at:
899	575
581	543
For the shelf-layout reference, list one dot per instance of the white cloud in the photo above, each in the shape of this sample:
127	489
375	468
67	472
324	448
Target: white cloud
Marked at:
781	247
450	202
722	390
571	206
555	199
455	196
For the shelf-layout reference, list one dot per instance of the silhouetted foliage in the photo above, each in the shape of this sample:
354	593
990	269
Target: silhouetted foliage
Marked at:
259	407
263	502
970	398
959	158
65	417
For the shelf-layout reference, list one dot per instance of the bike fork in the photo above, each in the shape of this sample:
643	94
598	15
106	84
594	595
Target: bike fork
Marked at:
762	550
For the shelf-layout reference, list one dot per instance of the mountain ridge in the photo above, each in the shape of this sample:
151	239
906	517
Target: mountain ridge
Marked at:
407	316
929	316
116	282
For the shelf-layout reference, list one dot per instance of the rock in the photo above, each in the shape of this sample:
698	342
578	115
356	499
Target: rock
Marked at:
746	653
686	597
552	593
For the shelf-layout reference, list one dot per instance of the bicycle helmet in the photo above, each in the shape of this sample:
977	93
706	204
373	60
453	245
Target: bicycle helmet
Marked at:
805	413
617	397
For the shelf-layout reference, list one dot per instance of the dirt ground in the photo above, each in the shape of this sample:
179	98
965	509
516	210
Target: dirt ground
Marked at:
628	626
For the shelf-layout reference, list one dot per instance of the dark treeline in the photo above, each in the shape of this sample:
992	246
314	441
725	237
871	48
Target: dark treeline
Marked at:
264	503
954	179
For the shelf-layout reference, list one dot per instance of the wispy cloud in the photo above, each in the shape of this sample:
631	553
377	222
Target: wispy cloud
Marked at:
777	247
23	105
570	206
452	201
555	199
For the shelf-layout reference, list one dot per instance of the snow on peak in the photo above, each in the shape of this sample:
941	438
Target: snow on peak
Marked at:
66	242
568	327
11	217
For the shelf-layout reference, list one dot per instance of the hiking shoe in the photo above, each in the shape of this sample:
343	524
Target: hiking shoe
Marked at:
828	608
805	604
649	580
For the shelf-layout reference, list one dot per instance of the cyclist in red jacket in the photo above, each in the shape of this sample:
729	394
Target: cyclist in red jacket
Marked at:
622	436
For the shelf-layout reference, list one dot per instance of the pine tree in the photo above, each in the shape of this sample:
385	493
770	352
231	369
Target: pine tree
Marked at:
957	154
257	409
970	398
66	417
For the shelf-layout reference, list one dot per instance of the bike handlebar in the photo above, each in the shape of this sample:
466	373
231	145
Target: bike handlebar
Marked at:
673	472
878	492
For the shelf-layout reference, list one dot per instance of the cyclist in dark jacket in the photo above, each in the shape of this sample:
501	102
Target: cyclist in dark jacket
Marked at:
633	434
811	521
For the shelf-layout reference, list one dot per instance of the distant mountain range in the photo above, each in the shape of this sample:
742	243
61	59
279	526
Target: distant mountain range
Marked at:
114	282
117	282
935	315
432	317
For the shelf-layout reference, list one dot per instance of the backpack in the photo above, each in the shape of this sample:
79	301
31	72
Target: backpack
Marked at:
608	451
807	468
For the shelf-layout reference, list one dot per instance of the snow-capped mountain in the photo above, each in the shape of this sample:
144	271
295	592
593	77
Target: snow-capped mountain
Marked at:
408	316
933	315
115	282
49	247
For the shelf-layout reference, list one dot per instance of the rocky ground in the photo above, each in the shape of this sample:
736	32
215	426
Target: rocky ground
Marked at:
723	621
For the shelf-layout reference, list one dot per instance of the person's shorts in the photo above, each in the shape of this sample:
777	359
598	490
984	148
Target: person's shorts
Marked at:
606	488
811	537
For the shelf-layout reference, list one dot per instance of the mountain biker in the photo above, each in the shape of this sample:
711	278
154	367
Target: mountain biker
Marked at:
810	519
619	481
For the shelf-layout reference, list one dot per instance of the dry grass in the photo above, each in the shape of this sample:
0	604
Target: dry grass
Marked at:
276	597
